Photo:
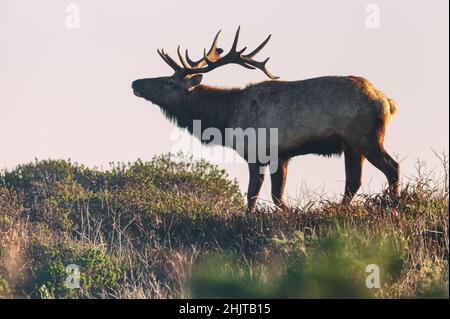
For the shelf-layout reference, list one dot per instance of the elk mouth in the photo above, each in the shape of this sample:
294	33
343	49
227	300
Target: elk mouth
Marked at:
136	92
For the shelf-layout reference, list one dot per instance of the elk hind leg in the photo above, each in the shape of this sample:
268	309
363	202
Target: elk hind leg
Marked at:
390	168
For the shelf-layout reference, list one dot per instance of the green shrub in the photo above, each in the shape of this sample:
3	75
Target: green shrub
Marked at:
99	273
59	192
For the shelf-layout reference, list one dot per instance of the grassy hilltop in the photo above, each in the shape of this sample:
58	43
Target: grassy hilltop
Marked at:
177	228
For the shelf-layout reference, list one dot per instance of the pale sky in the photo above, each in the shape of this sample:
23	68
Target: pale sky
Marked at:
65	93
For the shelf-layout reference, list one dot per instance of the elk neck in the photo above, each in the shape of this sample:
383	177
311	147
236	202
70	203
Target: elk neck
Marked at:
215	107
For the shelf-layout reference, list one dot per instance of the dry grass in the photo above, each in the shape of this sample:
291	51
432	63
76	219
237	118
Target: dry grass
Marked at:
174	229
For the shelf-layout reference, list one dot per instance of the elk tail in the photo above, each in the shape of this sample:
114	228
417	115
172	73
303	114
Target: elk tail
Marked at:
392	106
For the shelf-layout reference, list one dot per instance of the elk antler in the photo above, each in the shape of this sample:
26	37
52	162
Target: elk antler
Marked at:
213	60
213	54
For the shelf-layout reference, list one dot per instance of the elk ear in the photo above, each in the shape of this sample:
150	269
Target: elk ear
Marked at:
193	81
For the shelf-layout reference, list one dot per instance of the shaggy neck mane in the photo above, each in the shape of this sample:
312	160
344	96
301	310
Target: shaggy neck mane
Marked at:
213	106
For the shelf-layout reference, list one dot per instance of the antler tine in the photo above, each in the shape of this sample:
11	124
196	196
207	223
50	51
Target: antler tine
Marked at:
205	57
188	59
171	62
214	49
248	59
213	54
258	49
235	41
162	55
182	60
261	66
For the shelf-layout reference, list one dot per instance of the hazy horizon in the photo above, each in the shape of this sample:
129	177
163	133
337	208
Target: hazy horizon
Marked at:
65	93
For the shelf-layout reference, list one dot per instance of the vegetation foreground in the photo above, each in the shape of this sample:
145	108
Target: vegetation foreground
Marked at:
177	228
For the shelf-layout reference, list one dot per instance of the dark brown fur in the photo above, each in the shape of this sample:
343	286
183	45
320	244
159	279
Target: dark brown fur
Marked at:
326	116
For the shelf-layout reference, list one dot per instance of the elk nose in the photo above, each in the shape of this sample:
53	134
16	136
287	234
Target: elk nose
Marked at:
135	88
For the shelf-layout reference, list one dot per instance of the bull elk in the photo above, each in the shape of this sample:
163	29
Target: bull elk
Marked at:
325	116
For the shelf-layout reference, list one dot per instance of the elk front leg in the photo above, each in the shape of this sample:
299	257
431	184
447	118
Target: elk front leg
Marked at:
278	183
254	185
353	172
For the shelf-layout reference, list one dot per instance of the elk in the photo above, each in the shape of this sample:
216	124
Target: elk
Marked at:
327	115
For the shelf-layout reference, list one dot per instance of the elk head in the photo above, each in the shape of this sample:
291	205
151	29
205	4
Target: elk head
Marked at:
170	90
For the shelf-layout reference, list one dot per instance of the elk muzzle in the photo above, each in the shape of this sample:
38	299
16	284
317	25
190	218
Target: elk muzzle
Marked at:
136	86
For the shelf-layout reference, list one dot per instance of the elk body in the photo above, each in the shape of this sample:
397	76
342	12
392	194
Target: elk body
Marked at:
325	116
